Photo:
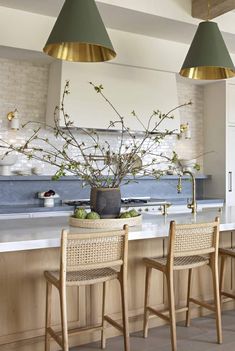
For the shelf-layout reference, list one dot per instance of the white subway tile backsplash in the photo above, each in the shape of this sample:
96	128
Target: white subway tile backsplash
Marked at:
23	85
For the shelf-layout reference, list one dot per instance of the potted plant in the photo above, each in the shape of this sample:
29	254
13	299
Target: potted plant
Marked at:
94	161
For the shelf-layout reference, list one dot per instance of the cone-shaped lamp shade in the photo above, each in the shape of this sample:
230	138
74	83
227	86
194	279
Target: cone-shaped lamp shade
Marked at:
208	56
79	34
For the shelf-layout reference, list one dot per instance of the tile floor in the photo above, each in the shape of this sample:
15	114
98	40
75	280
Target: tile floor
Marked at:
201	336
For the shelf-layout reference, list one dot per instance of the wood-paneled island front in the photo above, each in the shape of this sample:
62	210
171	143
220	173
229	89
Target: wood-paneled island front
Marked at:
30	246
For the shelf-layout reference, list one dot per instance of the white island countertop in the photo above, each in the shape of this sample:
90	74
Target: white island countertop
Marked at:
41	233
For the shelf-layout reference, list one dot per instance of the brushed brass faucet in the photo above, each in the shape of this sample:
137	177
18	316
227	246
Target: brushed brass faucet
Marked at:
193	204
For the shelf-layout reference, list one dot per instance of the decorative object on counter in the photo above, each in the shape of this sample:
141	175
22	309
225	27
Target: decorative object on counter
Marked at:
106	201
48	197
107	223
79	34
208	56
6	162
82	218
96	162
13	118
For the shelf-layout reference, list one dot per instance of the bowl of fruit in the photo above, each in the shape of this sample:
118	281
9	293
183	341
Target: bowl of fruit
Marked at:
85	219
48	197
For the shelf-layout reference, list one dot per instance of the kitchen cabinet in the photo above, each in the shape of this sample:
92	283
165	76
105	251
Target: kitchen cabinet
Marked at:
231	104
127	87
219	140
230	181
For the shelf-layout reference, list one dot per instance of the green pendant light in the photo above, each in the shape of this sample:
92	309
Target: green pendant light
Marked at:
79	34
208	56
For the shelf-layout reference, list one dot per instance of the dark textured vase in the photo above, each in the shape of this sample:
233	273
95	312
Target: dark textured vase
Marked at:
106	202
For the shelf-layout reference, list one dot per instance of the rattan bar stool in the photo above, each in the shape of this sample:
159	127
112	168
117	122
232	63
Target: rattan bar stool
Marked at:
190	246
88	259
224	254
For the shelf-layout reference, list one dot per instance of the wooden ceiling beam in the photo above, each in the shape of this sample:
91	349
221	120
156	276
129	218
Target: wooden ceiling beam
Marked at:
217	8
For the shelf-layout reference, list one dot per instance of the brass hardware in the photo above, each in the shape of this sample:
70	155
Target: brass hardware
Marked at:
164	208
11	115
193	204
13	118
185	129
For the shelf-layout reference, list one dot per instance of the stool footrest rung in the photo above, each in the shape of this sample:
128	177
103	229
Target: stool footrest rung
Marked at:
113	323
57	335
203	304
162	313
85	329
224	293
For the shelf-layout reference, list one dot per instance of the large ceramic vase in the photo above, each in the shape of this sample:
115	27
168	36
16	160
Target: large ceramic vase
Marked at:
106	202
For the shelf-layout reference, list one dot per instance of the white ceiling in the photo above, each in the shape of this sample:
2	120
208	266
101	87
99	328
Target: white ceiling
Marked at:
44	7
124	19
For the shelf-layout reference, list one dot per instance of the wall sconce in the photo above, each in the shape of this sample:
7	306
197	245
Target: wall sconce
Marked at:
185	130
13	118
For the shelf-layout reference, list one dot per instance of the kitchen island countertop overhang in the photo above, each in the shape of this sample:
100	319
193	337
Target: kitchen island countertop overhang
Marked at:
42	233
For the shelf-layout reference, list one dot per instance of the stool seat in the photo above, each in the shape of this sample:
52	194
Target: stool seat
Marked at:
189	246
87	259
229	252
83	277
179	262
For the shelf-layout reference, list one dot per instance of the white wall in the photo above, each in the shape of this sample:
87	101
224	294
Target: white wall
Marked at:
24	85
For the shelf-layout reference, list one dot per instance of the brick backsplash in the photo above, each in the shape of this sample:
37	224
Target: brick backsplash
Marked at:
23	85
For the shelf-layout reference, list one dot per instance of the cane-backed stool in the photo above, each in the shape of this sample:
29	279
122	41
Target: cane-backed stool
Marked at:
190	246
88	259
224	254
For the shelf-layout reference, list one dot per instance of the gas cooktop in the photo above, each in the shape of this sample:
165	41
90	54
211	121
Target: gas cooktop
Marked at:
125	202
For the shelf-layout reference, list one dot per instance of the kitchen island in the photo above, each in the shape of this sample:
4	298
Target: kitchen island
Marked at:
30	246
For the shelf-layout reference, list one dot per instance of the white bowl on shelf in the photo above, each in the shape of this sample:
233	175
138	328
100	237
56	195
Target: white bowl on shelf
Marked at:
188	164
6	163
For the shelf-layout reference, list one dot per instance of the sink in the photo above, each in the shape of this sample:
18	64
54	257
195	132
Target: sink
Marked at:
6	163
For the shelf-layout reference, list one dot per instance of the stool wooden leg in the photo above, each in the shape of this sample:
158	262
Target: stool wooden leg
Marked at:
48	315
146	299
215	275
64	323
171	302
103	339
187	324
124	296
222	271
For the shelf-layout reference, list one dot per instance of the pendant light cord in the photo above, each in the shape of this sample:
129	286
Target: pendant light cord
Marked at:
208	10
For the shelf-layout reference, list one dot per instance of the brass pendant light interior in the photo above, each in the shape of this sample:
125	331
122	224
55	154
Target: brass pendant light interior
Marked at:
208	57
79	52
207	73
79	34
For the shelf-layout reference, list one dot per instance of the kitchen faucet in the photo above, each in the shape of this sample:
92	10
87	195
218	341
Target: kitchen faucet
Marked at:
193	204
